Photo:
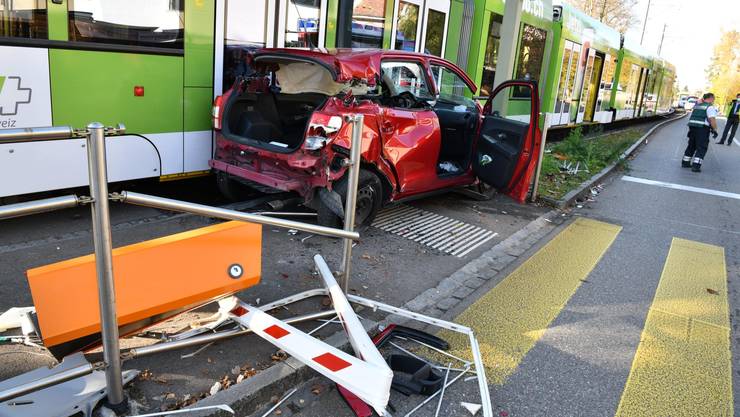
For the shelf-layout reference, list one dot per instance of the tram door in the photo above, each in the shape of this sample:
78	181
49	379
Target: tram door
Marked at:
566	84
590	99
435	27
420	26
585	85
640	95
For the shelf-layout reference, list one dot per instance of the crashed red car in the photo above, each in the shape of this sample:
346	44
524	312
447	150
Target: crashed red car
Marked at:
283	127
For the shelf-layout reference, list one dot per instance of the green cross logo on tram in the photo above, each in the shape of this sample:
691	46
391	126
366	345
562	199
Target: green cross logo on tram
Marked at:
12	95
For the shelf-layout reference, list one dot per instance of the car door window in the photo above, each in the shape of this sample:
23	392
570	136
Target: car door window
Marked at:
450	87
400	77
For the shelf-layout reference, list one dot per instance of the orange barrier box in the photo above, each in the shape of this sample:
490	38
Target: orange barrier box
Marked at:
154	280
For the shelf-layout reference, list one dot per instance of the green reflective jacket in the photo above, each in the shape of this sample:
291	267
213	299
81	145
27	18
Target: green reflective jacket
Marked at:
699	115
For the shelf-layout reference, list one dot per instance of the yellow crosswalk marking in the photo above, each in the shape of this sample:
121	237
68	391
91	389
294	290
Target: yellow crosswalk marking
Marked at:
683	363
512	317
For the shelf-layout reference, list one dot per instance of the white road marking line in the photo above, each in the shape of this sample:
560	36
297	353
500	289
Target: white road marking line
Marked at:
472	248
736	142
408	224
429	228
475	235
439	232
396	214
682	187
460	233
398	218
443	234
430	221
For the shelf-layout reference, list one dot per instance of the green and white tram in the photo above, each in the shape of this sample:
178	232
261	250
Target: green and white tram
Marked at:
146	63
156	66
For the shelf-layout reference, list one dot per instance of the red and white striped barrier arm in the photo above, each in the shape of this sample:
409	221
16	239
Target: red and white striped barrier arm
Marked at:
358	338
367	380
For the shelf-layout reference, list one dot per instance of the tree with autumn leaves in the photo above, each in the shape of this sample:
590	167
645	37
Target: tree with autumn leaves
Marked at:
618	14
723	72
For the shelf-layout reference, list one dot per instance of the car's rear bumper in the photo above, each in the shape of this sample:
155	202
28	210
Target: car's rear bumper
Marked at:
299	171
272	179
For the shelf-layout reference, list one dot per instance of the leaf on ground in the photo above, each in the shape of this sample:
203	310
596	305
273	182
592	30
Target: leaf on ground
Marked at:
713	292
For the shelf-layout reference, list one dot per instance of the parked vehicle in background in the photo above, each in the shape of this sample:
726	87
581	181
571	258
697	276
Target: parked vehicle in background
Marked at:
682	101
285	128
690	103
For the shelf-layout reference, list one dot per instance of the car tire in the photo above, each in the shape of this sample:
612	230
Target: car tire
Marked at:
231	189
369	202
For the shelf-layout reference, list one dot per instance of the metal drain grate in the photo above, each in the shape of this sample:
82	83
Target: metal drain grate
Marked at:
436	231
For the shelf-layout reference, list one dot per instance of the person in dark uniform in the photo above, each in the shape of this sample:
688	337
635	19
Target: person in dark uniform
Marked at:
702	122
733	118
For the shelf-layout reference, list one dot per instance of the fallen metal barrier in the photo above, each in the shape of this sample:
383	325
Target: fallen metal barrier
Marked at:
368	361
95	134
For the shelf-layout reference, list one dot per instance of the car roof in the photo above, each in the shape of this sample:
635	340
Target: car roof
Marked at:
347	64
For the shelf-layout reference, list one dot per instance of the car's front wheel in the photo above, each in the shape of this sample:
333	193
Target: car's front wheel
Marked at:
369	201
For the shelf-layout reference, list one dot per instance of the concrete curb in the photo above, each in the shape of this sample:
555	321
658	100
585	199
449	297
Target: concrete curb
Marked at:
585	186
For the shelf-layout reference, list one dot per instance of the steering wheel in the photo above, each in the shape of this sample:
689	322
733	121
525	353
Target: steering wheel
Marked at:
404	100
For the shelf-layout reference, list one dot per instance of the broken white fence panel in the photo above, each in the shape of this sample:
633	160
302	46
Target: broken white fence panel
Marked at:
367	380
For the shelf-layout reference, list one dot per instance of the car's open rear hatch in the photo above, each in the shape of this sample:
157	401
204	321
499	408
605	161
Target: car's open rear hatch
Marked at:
272	111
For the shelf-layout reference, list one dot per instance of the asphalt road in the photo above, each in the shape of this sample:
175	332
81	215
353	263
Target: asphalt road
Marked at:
386	267
579	363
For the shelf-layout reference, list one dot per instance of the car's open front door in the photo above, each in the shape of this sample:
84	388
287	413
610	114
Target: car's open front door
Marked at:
506	151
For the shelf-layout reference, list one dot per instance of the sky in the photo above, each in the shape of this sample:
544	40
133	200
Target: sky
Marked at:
693	28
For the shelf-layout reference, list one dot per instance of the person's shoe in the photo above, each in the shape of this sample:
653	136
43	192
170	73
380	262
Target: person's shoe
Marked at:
729	143
720	143
696	168
686	164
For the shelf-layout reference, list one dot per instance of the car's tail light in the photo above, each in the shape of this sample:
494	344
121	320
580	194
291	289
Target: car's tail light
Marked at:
216	112
319	133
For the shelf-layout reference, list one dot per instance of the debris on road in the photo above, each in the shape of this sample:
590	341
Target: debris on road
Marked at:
16	317
472	408
282	400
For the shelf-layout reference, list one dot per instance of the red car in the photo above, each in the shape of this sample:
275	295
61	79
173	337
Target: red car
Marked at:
283	128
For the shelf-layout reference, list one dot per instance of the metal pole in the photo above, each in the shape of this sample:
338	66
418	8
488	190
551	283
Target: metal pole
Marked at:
38	206
351	203
32	134
222	213
48	381
662	38
104	265
538	170
644	24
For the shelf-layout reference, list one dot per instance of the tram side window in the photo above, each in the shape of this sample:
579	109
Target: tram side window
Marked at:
607	81
361	24
531	55
491	58
23	19
624	89
153	23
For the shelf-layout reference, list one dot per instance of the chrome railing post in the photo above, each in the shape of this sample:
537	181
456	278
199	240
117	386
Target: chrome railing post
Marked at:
97	167
538	170
351	203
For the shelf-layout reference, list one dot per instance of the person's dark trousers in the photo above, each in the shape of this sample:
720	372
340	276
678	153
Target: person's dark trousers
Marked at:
731	127
697	147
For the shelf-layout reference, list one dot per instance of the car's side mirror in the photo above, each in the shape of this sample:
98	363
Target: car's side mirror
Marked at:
496	113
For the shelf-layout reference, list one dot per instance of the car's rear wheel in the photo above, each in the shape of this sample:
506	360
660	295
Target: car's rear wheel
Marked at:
369	201
230	188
